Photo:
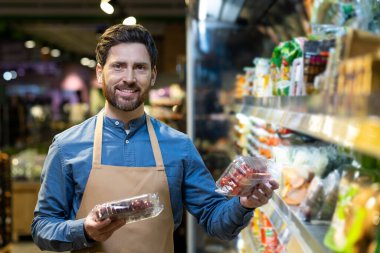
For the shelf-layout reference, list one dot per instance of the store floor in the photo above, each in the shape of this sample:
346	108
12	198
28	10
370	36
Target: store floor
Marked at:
30	247
26	247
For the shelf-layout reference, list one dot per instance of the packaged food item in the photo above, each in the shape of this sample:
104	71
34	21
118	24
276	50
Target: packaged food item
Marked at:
261	86
356	216
243	174
132	209
296	84
315	58
320	201
295	186
282	59
310	206
331	190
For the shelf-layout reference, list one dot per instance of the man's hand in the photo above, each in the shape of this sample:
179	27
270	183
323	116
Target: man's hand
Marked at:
260	195
100	230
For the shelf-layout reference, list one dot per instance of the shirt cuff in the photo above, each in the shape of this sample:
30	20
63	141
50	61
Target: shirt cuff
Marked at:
78	236
243	211
246	208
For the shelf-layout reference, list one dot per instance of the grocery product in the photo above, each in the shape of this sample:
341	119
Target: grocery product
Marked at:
243	174
331	190
310	206
356	217
261	86
322	195
132	209
282	60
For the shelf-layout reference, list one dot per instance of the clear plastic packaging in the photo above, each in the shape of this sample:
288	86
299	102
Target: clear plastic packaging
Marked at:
311	205
132	209
243	174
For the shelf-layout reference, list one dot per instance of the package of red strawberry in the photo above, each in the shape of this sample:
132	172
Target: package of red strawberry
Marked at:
243	174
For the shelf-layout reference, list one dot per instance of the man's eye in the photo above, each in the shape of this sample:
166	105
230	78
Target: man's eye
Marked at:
117	66
140	67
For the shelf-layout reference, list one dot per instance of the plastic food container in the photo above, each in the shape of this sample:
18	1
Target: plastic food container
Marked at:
243	174
132	209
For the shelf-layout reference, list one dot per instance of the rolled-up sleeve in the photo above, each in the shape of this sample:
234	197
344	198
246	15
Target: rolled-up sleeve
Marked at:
52	228
221	217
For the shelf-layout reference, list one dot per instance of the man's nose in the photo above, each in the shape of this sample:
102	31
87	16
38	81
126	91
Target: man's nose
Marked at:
129	76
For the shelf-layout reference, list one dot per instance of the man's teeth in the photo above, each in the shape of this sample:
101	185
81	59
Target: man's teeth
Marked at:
128	91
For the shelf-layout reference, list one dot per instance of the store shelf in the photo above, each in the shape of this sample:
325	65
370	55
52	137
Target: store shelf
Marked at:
165	102
294	234
323	118
249	244
173	116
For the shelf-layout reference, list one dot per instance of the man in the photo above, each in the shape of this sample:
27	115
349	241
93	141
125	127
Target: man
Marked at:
121	153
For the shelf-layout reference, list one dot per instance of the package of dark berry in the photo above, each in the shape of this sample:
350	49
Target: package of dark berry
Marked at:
244	173
133	209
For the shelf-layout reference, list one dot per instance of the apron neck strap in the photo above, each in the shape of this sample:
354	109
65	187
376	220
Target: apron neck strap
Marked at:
98	140
153	140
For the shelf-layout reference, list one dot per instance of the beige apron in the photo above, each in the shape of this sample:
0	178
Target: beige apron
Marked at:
108	183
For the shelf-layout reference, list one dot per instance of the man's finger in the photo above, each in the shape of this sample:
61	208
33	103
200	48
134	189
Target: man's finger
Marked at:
274	184
266	190
113	226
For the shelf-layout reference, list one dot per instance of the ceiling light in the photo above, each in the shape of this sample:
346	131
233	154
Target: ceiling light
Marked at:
55	53
45	50
130	21
106	6
84	61
7	76
30	44
14	74
91	64
202	10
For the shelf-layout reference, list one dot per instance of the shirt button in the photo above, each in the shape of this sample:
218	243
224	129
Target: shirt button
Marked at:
117	123
127	141
85	244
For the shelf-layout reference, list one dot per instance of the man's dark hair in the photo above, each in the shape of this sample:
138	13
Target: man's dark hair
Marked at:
120	33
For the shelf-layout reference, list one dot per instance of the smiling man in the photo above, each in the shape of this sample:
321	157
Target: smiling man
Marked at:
123	152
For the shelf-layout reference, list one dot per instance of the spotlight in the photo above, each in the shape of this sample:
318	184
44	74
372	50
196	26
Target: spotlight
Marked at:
106	6
55	53
129	21
30	44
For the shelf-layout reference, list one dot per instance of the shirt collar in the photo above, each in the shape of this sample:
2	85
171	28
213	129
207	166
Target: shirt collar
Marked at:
133	124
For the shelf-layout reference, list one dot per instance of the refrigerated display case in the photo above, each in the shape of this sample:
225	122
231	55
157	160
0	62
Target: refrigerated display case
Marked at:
348	121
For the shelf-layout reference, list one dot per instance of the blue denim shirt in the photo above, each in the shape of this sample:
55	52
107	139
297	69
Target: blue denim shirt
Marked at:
68	164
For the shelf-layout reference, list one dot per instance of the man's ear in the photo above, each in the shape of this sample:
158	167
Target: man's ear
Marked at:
99	74
154	76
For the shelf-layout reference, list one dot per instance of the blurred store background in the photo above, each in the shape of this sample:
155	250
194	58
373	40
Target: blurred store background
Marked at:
47	84
295	81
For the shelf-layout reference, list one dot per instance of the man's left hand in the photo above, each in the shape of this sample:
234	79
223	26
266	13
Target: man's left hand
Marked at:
260	195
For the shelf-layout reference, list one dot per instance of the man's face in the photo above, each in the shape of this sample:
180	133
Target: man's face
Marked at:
126	76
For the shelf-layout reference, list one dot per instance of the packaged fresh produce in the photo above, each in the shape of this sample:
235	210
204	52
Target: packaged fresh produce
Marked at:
282	59
243	174
331	190
295	186
356	217
321	198
310	206
132	209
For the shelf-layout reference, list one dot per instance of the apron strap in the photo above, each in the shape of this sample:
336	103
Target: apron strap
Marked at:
98	137
153	140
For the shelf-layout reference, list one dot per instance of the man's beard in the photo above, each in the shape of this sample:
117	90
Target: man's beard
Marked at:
123	104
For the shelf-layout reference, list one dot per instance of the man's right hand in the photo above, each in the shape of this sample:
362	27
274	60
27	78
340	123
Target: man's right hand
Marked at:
100	230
